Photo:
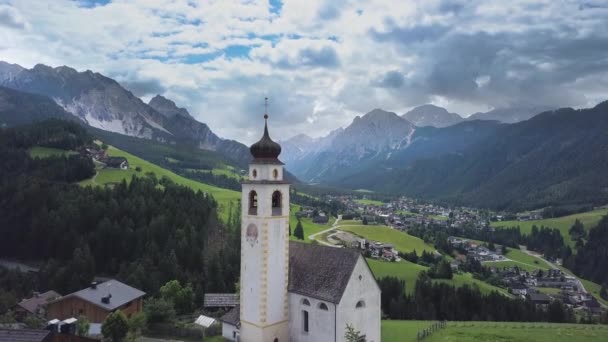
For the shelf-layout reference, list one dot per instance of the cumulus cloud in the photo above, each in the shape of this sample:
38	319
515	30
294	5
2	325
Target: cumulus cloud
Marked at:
322	62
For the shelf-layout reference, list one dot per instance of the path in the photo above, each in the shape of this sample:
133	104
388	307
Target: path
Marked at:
333	226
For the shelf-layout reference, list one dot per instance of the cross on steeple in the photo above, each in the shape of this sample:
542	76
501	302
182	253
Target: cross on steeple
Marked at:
266	108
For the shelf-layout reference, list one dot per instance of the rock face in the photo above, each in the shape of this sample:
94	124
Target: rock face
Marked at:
103	103
430	115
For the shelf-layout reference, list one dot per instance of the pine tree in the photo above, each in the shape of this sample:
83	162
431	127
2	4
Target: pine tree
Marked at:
299	231
352	335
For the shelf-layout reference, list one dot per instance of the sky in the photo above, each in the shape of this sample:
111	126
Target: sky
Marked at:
322	62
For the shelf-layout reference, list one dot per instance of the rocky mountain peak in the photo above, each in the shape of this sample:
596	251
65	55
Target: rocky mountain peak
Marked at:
167	107
431	115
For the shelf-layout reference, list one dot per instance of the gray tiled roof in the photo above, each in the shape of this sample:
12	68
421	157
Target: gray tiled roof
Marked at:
214	300
320	272
233	316
24	335
121	294
32	304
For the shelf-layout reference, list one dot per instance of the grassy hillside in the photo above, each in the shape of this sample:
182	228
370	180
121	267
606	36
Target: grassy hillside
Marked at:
108	176
307	224
521	260
403	242
368	202
589	219
408	272
45	152
404	331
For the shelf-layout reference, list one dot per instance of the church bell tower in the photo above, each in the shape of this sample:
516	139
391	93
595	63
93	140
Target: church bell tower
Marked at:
264	246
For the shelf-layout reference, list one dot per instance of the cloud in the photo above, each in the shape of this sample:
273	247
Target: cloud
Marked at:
322	62
10	17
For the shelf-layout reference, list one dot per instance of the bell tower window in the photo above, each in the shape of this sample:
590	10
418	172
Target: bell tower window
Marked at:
276	203
253	203
254	173
275	173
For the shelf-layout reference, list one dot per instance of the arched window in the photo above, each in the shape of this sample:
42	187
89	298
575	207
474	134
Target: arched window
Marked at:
253	203
323	306
360	304
276	340
305	302
276	203
275	173
254	173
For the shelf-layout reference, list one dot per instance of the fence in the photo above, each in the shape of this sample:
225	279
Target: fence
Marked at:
424	333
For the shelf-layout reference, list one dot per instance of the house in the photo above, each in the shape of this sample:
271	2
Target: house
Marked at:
321	219
231	323
518	289
35	305
117	163
97	301
25	335
538	298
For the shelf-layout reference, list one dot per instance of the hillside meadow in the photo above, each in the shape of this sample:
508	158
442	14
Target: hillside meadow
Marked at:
589	219
402	242
107	176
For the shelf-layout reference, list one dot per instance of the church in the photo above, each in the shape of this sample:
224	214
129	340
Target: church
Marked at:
293	291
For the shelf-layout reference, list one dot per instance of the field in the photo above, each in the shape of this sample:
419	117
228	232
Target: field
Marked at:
403	242
403	331
589	219
309	227
45	152
521	260
408	272
107	176
368	202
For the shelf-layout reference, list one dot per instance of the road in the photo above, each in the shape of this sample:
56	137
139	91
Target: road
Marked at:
333	226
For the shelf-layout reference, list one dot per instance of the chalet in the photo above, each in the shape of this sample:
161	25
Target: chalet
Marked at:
539	299
117	163
35	305
518	289
321	218
97	301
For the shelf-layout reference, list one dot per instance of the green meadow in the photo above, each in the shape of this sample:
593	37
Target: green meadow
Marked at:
520	259
405	331
307	224
108	176
589	219
368	202
402	242
408	272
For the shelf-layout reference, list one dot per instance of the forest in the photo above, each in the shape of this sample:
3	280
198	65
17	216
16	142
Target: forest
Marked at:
440	301
144	232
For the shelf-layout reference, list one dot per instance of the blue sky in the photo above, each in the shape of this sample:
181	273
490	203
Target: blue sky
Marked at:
322	62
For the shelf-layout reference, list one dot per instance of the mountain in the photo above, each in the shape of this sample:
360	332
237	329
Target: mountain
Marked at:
167	107
103	103
430	115
556	158
511	114
18	108
374	136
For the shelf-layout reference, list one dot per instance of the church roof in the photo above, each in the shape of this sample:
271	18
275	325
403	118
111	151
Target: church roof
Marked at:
320	272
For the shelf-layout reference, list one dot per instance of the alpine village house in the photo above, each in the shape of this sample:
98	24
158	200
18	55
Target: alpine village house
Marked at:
293	291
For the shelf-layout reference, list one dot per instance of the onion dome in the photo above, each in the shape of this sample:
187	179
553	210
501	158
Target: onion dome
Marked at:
265	148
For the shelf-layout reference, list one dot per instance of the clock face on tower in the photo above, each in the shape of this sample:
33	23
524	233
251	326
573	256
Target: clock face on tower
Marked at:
251	236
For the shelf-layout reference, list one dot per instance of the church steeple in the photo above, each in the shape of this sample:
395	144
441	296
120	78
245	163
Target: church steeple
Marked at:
265	148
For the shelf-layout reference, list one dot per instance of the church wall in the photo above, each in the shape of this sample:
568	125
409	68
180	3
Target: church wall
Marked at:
321	325
365	319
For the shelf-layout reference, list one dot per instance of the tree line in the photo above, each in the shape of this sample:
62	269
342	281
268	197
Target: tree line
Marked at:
144	232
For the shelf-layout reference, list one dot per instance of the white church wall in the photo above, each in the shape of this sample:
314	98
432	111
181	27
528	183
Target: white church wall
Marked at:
321	325
361	286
